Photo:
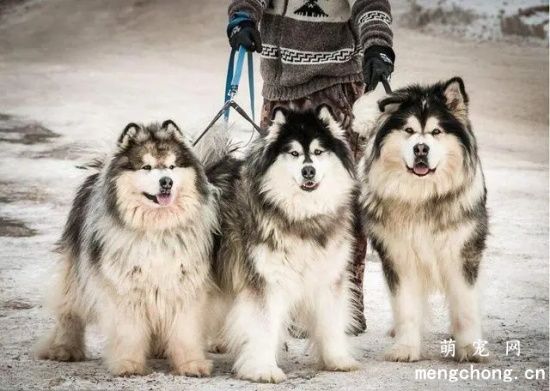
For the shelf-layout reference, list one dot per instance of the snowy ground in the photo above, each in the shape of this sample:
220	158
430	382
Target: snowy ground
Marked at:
72	74
512	20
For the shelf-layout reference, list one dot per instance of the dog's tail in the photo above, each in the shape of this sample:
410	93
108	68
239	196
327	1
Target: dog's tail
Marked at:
220	156
94	164
367	113
216	146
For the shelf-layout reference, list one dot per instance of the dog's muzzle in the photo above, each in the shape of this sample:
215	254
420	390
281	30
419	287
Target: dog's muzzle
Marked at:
309	183
421	166
164	196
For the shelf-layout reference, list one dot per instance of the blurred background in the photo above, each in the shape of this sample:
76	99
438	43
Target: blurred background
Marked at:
73	73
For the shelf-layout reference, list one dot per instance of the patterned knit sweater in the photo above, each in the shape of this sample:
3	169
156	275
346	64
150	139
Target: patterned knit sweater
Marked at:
309	45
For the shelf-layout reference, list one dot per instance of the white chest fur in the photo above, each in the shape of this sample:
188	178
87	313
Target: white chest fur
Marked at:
301	265
154	268
418	248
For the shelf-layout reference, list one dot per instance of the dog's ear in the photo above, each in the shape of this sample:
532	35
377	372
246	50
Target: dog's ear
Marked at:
170	126
455	96
128	134
391	103
325	114
173	130
278	119
278	115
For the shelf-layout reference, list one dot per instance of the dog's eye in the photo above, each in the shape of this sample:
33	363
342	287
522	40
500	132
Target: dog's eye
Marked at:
146	167
318	152
436	132
172	167
409	130
294	153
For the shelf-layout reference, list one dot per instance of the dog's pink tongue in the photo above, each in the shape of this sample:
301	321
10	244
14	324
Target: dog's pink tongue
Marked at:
164	199
421	169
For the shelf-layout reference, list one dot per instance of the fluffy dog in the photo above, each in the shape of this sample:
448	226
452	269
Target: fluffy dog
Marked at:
287	242
136	256
423	197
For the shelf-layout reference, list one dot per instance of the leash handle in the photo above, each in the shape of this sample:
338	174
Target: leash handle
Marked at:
234	72
385	81
386	84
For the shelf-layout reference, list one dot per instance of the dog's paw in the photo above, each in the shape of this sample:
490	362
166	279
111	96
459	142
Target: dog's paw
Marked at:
340	364
270	374
195	368
466	353
403	353
61	353
126	368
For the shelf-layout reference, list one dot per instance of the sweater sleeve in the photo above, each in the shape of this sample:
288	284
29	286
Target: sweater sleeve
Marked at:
372	19
254	8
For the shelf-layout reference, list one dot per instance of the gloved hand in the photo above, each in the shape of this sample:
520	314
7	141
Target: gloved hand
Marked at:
242	31
377	65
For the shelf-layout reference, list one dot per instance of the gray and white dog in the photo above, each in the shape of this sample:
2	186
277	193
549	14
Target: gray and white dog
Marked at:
286	245
423	198
136	256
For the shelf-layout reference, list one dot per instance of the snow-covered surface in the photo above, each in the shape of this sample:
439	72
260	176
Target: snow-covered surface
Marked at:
84	69
484	7
473	19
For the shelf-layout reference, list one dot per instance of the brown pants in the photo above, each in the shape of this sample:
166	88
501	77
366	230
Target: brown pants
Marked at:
340	98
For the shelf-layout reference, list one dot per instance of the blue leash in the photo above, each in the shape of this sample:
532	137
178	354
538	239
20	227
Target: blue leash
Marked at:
234	77
231	87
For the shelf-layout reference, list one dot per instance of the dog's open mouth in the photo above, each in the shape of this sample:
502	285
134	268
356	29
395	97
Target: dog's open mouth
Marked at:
162	199
309	185
421	168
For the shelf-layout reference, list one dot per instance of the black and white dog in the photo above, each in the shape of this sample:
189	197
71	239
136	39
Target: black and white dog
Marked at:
287	242
423	197
136	256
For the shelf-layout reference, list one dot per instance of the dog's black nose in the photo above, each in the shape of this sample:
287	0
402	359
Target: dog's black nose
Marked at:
421	150
166	182
308	172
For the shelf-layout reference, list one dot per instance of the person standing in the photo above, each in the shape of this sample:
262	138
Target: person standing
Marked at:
317	52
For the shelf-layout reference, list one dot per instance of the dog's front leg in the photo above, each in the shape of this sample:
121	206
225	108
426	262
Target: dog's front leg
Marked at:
253	330
185	343
127	341
407	305
464	312
332	316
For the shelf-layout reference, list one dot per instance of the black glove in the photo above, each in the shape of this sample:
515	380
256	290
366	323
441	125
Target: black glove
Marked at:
377	65
247	35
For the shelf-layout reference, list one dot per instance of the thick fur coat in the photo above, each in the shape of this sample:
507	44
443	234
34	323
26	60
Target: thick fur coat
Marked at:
287	241
136	256
424	209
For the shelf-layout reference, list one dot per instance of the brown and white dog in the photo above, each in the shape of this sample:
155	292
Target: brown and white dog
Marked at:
136	256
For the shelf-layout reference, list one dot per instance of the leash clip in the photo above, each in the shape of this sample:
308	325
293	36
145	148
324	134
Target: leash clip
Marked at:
232	81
